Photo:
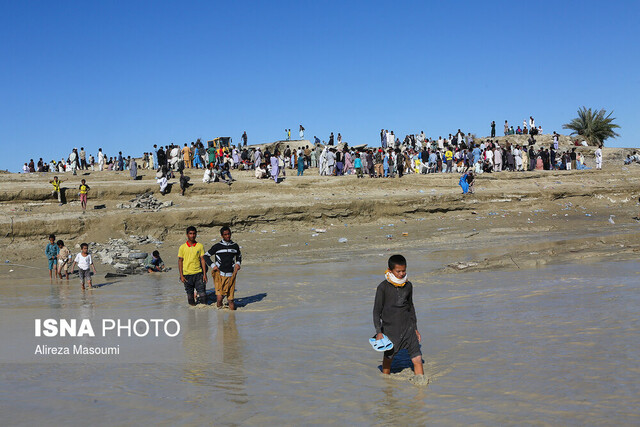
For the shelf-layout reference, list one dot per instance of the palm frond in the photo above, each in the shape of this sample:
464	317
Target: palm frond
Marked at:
595	126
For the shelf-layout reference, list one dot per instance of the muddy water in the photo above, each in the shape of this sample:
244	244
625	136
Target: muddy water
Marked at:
558	345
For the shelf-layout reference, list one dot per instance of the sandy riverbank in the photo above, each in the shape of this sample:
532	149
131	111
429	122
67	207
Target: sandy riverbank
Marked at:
534	217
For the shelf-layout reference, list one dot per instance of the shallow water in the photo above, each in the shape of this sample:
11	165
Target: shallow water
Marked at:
557	346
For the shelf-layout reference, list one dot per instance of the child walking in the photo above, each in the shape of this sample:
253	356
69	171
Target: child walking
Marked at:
395	316
64	255
85	263
52	256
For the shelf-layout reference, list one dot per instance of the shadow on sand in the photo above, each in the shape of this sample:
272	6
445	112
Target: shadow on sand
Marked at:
99	285
240	302
244	301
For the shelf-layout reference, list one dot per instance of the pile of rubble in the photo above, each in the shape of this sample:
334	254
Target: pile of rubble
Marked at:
145	201
120	253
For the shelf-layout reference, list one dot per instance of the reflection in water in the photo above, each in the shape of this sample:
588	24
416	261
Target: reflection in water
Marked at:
198	348
215	365
232	369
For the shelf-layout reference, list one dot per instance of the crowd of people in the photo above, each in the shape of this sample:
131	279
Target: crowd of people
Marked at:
417	155
81	160
458	153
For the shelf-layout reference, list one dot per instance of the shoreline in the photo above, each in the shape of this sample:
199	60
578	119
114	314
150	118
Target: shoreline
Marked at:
567	210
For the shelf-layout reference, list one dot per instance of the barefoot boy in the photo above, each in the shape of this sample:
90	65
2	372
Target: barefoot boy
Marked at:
224	267
153	263
56	189
192	267
395	316
64	255
85	262
84	189
52	255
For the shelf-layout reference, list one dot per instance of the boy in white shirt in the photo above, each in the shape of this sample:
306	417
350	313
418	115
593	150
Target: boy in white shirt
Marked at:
85	262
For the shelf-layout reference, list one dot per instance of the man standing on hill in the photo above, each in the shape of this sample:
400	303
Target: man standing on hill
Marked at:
155	156
599	157
493	129
83	159
100	159
573	156
186	156
244	138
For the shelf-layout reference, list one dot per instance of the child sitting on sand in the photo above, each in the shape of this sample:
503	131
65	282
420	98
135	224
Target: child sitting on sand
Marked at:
395	316
154	263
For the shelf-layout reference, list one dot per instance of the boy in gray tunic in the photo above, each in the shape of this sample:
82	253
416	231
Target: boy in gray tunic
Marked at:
395	316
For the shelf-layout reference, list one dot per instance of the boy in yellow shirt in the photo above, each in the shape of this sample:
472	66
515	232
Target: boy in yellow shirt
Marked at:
192	267
56	189
84	189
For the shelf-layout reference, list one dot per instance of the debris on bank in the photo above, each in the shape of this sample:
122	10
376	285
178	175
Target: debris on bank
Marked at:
462	265
120	253
145	201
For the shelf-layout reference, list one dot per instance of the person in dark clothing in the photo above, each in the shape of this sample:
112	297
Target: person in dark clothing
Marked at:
545	159
162	158
399	162
573	156
532	158
184	182
369	157
552	158
395	316
224	266
493	129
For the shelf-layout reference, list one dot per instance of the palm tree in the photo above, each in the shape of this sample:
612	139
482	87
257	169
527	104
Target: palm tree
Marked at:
594	126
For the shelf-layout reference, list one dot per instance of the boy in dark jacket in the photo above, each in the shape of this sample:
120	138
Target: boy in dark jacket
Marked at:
224	258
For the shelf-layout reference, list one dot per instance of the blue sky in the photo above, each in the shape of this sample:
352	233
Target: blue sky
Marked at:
126	75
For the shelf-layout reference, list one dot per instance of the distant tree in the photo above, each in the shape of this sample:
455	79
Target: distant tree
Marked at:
595	126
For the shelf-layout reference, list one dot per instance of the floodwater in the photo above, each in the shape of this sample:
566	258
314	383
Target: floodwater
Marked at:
558	346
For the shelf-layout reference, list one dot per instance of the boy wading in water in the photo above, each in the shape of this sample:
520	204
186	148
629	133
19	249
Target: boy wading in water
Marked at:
224	267
192	267
64	255
85	263
395	316
52	256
